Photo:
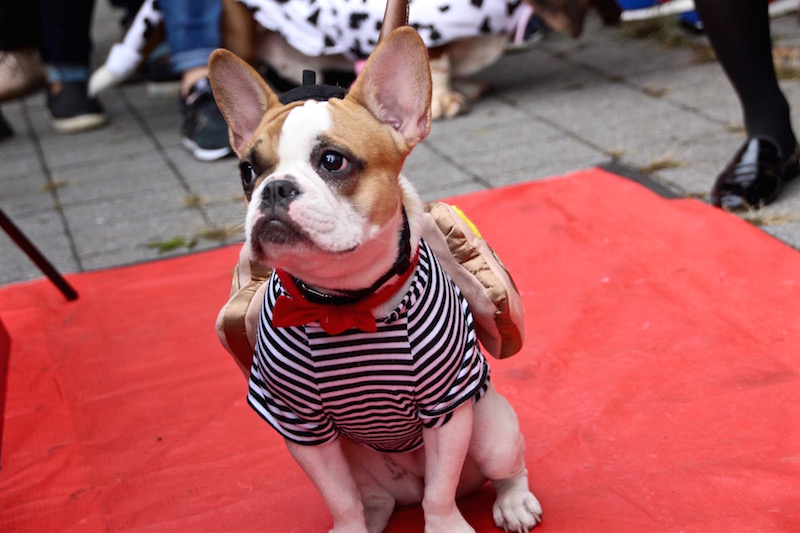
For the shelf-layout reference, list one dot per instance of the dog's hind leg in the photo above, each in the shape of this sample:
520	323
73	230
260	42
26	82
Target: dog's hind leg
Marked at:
459	59
498	449
446	102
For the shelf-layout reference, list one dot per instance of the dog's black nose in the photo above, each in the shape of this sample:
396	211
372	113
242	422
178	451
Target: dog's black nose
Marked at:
279	193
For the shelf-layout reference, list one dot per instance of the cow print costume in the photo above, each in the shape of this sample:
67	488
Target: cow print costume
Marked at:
351	27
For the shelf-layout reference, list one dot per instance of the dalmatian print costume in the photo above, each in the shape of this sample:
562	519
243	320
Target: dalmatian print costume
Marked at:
351	27
316	28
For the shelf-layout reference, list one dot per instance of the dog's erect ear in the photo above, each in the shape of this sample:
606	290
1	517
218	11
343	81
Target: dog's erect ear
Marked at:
395	84
241	94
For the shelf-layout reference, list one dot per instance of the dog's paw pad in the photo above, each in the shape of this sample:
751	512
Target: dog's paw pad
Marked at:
517	510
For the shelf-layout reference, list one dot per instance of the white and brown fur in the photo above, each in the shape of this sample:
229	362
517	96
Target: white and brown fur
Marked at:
339	230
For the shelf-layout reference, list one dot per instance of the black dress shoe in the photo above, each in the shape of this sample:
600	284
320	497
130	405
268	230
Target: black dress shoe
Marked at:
755	175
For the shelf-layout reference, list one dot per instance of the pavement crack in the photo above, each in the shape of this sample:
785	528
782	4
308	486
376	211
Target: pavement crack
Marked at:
52	185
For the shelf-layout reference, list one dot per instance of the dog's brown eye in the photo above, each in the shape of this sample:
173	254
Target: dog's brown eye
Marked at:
334	162
247	173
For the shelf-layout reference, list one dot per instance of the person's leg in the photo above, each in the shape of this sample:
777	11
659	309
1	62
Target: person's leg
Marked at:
67	49
738	30
67	25
193	30
739	33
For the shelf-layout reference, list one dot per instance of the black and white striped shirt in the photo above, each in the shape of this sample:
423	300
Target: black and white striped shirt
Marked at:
378	389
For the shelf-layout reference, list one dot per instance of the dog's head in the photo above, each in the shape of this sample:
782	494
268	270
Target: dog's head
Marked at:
321	177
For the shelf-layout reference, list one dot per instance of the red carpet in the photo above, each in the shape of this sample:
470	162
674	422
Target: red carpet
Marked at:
658	389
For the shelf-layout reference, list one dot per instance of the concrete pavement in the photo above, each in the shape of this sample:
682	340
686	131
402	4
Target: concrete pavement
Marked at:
645	99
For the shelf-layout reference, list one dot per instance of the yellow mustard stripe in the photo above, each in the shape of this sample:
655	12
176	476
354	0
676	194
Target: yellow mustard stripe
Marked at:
472	226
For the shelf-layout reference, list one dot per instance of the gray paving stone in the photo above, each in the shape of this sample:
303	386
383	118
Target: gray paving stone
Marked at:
116	230
32	198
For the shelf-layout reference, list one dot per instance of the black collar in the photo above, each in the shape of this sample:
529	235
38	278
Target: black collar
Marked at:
345	297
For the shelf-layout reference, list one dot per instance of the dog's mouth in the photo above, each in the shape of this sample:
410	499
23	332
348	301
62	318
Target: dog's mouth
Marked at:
274	234
275	230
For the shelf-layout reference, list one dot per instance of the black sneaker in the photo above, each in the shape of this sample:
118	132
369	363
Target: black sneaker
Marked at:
205	132
5	128
70	109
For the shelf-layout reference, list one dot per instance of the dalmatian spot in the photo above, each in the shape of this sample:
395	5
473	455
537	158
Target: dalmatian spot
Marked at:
512	6
313	18
356	19
149	27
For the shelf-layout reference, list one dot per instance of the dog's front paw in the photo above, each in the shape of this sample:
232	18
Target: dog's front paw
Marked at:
516	508
447	104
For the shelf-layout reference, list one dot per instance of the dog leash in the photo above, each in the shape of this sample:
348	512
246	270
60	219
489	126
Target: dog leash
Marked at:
395	16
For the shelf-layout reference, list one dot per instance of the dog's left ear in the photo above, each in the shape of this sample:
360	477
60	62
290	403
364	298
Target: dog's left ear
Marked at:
395	84
242	95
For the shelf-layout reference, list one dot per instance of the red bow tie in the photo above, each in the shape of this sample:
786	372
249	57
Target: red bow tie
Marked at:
295	310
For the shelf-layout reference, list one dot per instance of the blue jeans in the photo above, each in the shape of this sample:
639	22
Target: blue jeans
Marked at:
193	31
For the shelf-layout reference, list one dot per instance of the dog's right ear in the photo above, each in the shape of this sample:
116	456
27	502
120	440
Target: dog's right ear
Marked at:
395	84
242	95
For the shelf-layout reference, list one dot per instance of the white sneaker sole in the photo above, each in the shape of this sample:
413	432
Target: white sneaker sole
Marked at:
163	89
776	9
205	154
77	124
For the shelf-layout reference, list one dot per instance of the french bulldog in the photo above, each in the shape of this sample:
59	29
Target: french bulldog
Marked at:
366	360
